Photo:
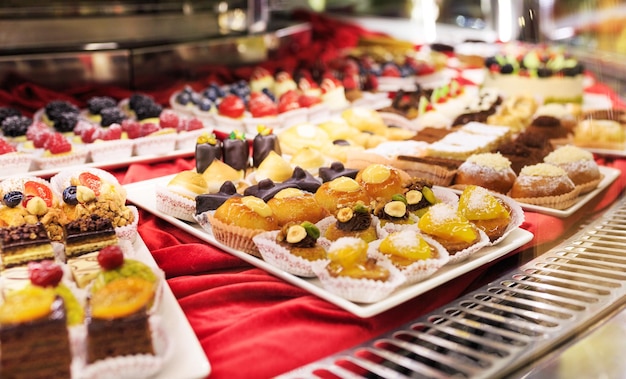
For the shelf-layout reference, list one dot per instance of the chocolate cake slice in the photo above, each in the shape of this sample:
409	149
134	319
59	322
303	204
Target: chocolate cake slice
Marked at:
38	348
88	234
128	335
25	243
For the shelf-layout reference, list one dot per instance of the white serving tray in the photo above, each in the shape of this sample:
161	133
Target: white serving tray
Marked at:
142	194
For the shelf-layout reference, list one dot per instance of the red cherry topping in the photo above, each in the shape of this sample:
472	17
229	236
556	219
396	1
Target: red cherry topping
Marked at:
111	257
45	273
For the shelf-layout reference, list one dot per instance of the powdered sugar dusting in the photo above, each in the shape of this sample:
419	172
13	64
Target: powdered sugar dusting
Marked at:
441	213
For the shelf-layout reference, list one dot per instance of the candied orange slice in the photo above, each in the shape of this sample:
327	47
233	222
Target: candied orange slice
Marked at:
121	297
442	221
27	304
348	251
476	203
406	244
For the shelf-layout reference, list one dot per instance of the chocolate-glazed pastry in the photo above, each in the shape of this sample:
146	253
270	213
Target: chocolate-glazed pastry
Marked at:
208	148
264	142
236	151
336	170
211	201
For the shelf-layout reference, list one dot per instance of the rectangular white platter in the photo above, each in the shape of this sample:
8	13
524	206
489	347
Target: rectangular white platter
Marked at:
143	195
188	360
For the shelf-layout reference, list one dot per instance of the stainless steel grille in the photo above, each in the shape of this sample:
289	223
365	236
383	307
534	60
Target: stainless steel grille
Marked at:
502	327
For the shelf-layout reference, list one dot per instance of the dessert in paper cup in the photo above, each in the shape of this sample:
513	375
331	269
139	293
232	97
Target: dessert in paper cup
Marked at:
238	220
110	151
178	197
416	256
352	274
158	143
453	231
296	260
46	161
494	213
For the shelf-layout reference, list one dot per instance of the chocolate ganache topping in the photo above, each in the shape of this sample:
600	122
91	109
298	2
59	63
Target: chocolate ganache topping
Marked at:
336	170
304	180
212	201
360	220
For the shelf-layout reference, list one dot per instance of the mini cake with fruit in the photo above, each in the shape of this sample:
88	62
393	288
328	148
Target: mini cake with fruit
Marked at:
354	220
14	125
178	197
414	254
59	152
579	164
489	170
493	213
296	205
94	191
546	185
62	115
352	274
28	200
238	220
119	326
149	138
293	247
34	337
552	75
453	231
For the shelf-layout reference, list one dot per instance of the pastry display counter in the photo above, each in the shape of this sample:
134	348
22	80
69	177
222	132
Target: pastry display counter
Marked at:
251	323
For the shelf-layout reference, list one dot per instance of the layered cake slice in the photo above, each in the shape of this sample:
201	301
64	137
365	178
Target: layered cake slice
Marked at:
34	338
88	234
118	322
25	243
